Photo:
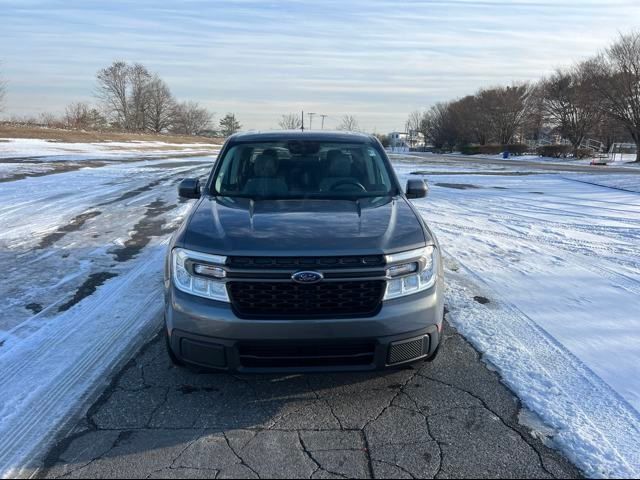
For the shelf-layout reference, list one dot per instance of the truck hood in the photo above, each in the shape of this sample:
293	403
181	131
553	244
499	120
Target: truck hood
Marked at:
303	227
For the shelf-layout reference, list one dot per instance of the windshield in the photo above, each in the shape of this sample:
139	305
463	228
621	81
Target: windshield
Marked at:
303	169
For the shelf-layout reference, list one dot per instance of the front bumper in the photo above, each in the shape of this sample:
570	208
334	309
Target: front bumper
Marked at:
207	333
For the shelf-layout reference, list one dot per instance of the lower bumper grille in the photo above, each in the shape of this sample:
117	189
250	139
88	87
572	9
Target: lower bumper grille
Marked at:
288	300
301	356
408	350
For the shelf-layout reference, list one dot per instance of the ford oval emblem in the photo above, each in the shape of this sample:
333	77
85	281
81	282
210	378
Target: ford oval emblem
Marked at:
307	277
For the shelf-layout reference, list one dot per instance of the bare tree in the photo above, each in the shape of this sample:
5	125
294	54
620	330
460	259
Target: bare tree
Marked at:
229	125
413	121
113	90
161	106
139	80
425	126
439	126
384	139
124	91
76	115
570	103
506	109
610	130
290	121
82	116
616	76
349	123
535	125
190	118
50	120
412	127
473	124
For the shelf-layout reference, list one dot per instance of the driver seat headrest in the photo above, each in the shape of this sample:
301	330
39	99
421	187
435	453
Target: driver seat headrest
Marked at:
266	164
339	164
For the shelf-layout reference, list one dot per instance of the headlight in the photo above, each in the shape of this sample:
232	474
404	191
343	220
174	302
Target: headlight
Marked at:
199	274
410	272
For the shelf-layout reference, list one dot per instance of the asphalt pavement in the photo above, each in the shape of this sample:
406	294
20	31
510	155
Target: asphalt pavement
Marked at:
451	418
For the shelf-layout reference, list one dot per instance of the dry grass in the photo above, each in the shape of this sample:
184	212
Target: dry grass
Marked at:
74	136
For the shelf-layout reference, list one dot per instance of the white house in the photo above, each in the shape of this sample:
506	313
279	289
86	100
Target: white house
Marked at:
401	141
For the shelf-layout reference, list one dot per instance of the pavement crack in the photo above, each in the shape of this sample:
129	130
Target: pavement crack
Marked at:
437	443
393	465
393	399
308	454
237	455
311	457
333	413
367	450
157	408
497	415
189	445
122	436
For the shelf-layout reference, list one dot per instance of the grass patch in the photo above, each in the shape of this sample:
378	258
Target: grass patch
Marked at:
76	136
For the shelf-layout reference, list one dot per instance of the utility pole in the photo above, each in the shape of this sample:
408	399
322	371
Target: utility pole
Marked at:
302	128
311	114
323	117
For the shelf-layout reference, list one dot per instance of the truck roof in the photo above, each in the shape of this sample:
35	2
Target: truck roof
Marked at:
312	135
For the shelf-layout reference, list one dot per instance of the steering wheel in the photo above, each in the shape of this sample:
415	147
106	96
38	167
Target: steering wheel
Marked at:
341	183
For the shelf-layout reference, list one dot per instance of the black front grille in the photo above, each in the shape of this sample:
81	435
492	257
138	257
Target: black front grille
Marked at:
306	262
294	300
311	355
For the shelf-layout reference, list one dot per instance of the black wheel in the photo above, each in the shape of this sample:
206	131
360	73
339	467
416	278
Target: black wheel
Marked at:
172	356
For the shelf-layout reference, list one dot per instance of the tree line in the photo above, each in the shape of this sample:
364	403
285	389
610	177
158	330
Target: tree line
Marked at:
130	98
595	99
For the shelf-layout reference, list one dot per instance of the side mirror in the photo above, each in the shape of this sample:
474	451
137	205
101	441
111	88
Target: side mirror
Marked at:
189	188
417	189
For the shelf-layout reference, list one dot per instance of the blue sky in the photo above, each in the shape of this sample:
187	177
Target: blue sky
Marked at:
377	60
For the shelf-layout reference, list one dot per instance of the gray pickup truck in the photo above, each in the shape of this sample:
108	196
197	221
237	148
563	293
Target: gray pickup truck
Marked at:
302	254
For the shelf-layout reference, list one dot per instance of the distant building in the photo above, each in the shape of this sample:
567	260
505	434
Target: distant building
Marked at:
398	141
401	141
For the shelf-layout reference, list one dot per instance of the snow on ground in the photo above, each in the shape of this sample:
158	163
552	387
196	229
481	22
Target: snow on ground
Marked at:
24	158
560	261
629	183
619	160
81	254
557	256
438	164
19	148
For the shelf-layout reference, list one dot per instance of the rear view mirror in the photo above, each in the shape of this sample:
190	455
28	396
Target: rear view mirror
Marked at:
417	189
189	188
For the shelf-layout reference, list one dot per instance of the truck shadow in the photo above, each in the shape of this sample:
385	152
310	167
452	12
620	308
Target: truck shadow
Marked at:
156	420
152	405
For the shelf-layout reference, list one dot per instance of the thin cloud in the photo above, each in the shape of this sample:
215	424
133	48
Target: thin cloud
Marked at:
374	59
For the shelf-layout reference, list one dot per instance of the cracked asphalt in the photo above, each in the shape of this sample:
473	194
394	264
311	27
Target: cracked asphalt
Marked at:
448	419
